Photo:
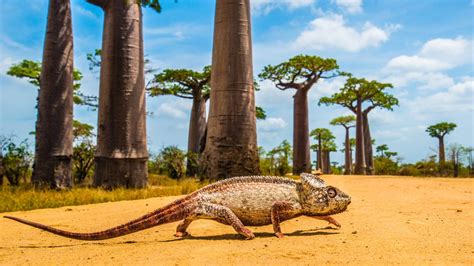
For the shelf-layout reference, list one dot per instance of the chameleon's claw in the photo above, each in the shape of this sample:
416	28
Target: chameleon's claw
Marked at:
248	234
280	235
181	234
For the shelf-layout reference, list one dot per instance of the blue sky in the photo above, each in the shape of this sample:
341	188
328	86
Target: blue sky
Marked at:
425	48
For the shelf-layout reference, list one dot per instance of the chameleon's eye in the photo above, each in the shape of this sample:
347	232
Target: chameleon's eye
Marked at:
332	192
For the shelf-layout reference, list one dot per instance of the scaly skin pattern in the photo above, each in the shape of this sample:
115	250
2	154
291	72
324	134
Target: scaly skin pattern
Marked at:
238	202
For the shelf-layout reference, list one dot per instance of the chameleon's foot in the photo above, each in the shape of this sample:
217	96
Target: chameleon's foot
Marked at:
280	235
181	234
328	219
247	234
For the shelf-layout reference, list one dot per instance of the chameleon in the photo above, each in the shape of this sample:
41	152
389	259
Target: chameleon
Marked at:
238	202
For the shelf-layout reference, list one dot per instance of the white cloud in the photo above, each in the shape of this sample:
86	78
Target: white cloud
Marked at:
425	81
350	6
435	55
266	6
459	98
331	32
454	51
84	12
271	123
175	109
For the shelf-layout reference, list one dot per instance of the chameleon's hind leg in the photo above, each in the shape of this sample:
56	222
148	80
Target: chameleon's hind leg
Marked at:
223	215
183	226
276	210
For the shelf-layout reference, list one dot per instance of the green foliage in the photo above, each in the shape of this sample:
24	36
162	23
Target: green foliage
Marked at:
170	161
153	4
382	149
83	151
322	133
345	121
441	129
183	83
277	160
94	59
27	69
385	166
260	113
31	71
360	89
299	70
16	160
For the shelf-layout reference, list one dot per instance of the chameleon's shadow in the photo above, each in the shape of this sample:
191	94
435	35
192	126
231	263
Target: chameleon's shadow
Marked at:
298	233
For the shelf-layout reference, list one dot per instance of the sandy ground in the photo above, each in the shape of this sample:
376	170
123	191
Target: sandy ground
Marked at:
392	220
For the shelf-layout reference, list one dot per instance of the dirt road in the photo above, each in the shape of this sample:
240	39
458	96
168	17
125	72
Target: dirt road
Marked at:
392	220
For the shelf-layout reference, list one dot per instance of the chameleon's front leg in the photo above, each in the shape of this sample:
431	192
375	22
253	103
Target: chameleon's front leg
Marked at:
276	210
328	219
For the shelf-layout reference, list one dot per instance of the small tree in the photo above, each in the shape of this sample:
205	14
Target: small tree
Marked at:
300	73
439	131
83	151
16	161
173	161
321	135
382	149
347	122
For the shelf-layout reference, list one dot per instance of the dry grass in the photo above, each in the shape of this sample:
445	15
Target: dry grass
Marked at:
26	198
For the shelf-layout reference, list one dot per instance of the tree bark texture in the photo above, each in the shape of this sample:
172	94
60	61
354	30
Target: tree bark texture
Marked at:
319	165
53	150
121	156
301	152
347	154
360	166
197	128
231	142
327	163
368	151
442	157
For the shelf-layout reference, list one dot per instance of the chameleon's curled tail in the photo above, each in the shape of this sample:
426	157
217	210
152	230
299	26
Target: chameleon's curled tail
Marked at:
171	213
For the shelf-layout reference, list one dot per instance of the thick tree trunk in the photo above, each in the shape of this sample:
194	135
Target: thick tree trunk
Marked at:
327	163
442	157
231	142
347	153
360	166
301	153
368	151
197	128
53	151
121	156
319	156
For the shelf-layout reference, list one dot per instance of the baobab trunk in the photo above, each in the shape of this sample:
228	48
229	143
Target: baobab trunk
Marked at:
197	127
360	165
53	151
327	162
368	151
301	153
319	156
347	153
231	142
121	156
442	157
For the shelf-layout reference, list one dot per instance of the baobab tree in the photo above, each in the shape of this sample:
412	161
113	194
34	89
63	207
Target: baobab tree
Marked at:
362	96
231	141
347	122
322	136
300	73
53	150
121	155
187	84
439	131
328	147
382	149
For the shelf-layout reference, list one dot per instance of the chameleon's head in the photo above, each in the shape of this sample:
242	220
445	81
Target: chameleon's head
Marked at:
321	199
